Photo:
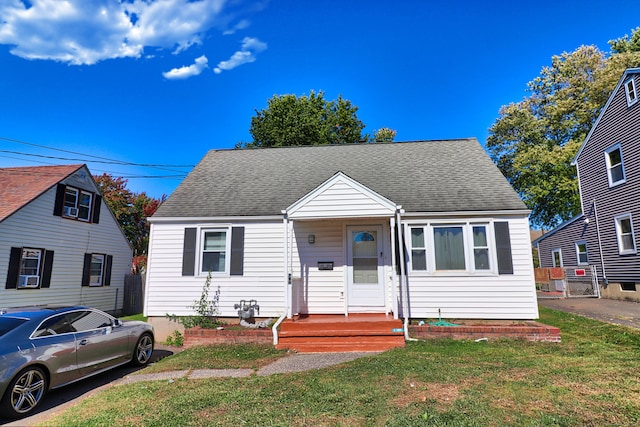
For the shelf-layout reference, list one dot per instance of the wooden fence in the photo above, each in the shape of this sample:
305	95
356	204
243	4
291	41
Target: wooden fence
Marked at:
133	294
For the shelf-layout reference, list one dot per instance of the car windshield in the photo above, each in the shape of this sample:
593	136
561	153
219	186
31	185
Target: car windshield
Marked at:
9	323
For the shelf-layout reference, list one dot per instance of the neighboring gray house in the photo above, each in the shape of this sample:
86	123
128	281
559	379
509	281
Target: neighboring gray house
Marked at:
59	242
608	165
317	230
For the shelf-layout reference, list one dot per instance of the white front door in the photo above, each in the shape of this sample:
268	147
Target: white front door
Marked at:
364	269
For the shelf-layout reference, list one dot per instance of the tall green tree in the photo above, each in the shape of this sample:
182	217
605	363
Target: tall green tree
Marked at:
534	141
305	120
131	211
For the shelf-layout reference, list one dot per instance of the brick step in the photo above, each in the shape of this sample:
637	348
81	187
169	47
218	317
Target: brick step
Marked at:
341	333
338	348
305	344
386	326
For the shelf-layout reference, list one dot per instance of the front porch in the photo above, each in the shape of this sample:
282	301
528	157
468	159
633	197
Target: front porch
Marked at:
321	333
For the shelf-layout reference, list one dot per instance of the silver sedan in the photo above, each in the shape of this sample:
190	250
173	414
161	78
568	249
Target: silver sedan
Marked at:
43	348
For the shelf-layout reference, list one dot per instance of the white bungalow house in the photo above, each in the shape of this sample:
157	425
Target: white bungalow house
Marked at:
413	230
59	242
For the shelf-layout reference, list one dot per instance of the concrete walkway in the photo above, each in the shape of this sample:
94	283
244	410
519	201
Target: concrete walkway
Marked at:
624	313
290	363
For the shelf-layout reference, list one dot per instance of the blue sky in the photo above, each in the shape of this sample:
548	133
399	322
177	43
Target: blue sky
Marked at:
161	82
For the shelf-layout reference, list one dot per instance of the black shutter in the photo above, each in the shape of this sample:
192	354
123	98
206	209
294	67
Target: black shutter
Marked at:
86	270
237	251
57	207
46	269
108	262
14	268
97	202
503	248
189	252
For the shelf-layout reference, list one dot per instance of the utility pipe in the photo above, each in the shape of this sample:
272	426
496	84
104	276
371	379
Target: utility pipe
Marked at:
394	291
604	271
403	278
287	278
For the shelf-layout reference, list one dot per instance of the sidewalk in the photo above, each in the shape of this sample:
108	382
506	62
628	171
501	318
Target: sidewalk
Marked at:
624	313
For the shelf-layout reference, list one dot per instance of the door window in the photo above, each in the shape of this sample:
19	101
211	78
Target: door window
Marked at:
365	257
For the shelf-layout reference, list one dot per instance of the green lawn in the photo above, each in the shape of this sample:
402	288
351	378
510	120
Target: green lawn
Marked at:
592	378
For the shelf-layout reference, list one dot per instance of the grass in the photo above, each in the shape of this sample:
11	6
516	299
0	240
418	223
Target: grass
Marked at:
135	317
238	356
590	379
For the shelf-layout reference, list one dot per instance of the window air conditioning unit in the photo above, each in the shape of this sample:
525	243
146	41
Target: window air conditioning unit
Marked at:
69	211
27	281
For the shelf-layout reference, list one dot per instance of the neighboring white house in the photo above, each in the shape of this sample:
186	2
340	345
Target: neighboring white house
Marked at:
318	230
59	242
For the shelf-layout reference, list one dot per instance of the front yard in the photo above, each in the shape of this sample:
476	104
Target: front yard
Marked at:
590	379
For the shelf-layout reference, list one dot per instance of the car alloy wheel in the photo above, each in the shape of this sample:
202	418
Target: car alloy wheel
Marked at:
27	389
143	350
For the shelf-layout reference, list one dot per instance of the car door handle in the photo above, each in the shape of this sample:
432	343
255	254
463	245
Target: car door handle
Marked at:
83	342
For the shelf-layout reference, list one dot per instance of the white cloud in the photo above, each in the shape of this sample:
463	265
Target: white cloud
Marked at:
188	71
84	32
250	47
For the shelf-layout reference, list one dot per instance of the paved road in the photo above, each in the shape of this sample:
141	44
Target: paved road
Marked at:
607	310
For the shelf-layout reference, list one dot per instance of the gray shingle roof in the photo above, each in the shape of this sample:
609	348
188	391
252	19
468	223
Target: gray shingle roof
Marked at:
424	176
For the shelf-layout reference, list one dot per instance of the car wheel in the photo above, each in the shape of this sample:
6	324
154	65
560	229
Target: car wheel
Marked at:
142	351
24	392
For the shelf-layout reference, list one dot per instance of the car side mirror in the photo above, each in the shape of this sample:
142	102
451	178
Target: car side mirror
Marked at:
117	323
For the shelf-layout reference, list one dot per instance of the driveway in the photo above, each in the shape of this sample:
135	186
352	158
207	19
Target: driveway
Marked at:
624	313
59	399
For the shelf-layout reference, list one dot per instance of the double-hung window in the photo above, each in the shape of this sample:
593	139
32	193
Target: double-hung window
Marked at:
632	94
30	267
214	254
441	248
556	257
615	165
624	232
77	204
581	253
418	249
97	270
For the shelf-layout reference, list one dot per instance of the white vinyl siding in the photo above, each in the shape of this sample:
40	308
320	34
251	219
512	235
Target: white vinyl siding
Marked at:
341	200
504	296
508	296
35	226
168	291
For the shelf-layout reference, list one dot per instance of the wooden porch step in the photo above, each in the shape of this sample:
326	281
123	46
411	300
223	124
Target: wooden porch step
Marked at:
330	333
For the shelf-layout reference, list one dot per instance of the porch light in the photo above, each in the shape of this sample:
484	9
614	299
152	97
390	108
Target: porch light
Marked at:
311	238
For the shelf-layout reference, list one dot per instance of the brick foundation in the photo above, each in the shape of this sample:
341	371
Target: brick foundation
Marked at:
529	331
198	336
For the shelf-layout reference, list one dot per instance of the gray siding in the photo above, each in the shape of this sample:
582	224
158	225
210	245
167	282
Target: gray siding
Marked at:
618	124
565	238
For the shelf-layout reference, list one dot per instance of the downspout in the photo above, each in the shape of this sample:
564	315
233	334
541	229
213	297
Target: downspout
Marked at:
287	278
403	277
394	291
604	271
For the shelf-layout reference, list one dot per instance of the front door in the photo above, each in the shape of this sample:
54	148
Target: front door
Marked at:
364	268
